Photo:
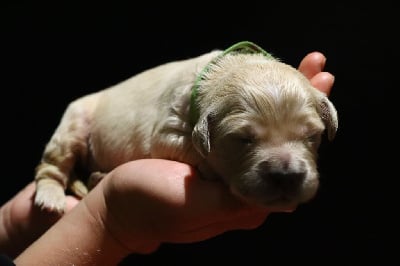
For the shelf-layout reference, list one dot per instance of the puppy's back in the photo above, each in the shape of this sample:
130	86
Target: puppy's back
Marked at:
128	113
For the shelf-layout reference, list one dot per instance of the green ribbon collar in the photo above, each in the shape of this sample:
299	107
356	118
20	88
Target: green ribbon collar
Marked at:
244	47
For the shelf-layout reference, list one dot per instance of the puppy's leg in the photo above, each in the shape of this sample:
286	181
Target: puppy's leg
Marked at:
67	145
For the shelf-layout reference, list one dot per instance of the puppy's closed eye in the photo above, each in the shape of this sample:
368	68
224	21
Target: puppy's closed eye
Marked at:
246	140
243	138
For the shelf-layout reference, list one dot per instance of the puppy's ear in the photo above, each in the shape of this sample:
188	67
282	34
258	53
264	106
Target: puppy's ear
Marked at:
328	115
201	136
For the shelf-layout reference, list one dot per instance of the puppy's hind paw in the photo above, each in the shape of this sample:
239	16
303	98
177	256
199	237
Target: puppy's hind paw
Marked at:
50	196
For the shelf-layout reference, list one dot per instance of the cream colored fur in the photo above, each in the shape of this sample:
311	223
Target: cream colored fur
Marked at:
259	129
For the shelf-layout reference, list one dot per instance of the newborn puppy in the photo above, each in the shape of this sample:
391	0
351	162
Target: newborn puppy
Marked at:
238	115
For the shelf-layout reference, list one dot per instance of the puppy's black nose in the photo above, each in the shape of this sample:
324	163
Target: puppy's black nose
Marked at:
285	180
282	177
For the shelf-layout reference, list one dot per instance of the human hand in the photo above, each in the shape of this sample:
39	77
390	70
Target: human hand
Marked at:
135	208
21	223
312	67
152	201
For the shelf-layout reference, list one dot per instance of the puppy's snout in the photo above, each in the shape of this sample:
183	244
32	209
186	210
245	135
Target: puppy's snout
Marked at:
285	180
281	175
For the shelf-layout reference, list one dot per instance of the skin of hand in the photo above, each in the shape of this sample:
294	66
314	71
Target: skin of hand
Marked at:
312	67
138	206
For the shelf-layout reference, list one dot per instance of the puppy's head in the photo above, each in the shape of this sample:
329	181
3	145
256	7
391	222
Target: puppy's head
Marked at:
260	127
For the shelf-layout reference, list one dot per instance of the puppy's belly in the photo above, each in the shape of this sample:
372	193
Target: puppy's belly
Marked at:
116	139
107	151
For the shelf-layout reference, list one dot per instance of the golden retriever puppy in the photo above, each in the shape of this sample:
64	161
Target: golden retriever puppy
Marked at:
239	115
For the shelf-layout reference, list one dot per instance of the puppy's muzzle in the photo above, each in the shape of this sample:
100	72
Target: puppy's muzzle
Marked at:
283	175
282	178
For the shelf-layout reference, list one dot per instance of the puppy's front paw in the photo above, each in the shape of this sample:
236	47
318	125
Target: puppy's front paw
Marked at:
50	196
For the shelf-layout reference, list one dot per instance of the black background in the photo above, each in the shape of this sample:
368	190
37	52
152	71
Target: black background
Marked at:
52	53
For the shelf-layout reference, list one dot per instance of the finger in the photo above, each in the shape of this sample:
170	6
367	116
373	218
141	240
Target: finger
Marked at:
170	189
312	64
71	203
22	223
323	81
245	222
